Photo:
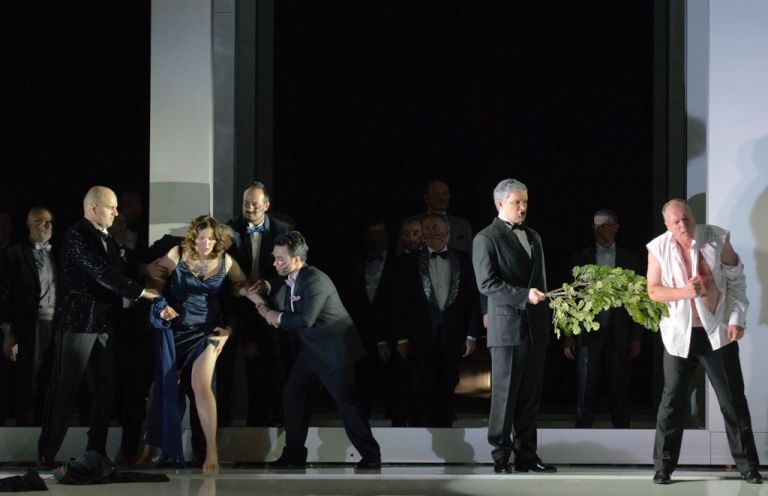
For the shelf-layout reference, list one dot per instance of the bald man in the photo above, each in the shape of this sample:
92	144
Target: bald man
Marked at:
91	285
696	272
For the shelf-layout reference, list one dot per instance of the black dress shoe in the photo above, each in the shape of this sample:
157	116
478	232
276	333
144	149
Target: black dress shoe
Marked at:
662	477
502	467
752	476
538	466
287	461
368	464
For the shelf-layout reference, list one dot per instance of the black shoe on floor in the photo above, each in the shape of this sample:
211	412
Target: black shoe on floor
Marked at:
287	461
537	466
752	476
368	464
661	477
502	467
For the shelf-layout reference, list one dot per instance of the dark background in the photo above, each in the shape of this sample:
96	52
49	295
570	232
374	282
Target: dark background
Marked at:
372	100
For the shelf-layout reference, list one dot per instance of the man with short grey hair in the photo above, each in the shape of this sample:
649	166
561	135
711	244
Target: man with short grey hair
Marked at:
27	302
509	268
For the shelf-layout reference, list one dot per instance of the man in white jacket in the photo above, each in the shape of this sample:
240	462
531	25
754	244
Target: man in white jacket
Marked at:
697	273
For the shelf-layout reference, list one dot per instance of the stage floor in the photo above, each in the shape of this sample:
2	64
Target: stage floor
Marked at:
453	480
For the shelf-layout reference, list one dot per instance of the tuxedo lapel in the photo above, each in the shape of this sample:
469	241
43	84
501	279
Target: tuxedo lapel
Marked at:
453	290
512	242
426	281
28	254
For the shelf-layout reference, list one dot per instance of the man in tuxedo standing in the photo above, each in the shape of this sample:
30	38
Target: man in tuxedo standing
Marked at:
605	355
509	267
27	304
437	321
306	303
91	283
267	354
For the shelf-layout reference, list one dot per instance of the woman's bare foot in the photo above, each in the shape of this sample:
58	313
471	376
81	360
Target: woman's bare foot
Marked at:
211	465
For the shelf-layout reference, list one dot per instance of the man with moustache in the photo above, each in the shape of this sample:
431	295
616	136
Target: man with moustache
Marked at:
267	354
307	304
437	322
509	268
697	273
27	304
90	286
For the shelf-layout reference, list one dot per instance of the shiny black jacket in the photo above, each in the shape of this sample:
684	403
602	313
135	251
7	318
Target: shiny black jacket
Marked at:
91	281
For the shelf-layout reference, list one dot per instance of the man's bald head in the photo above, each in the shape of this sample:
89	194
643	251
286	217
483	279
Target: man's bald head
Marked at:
100	206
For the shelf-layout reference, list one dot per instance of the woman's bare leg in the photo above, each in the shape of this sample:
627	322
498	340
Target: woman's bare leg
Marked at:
202	376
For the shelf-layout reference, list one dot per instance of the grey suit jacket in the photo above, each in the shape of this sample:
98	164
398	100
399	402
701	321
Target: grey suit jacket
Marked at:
328	337
505	273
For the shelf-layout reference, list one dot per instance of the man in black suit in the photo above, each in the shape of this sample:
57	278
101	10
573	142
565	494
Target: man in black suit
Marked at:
605	354
27	304
308	304
90	285
362	290
396	379
509	267
267	354
438	318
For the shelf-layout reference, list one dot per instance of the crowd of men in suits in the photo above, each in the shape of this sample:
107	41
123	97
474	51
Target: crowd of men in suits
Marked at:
418	310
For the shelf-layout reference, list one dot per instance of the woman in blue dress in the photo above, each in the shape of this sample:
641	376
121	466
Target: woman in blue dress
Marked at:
191	333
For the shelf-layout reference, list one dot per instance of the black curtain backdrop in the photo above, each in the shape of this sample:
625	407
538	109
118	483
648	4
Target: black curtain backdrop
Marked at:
75	104
372	100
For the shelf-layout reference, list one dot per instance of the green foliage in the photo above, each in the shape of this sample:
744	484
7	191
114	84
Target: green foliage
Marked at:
597	288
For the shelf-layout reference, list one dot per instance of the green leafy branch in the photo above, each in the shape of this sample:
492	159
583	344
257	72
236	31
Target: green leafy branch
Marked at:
597	288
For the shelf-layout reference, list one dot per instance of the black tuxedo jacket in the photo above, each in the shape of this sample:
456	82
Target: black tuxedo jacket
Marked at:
327	335
241	248
90	281
621	326
370	317
418	316
505	273
20	289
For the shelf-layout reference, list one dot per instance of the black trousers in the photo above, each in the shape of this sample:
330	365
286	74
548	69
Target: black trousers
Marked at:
432	379
305	383
75	355
723	368
602	363
31	375
135	350
266	373
517	373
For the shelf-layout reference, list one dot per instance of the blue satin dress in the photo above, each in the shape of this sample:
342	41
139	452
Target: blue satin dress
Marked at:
178	343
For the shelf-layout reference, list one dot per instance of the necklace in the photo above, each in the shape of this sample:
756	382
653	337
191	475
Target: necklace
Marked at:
200	268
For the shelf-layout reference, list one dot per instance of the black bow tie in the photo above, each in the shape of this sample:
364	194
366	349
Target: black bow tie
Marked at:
513	226
441	254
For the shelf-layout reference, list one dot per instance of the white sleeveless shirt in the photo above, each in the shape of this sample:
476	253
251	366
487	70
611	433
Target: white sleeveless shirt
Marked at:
732	306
